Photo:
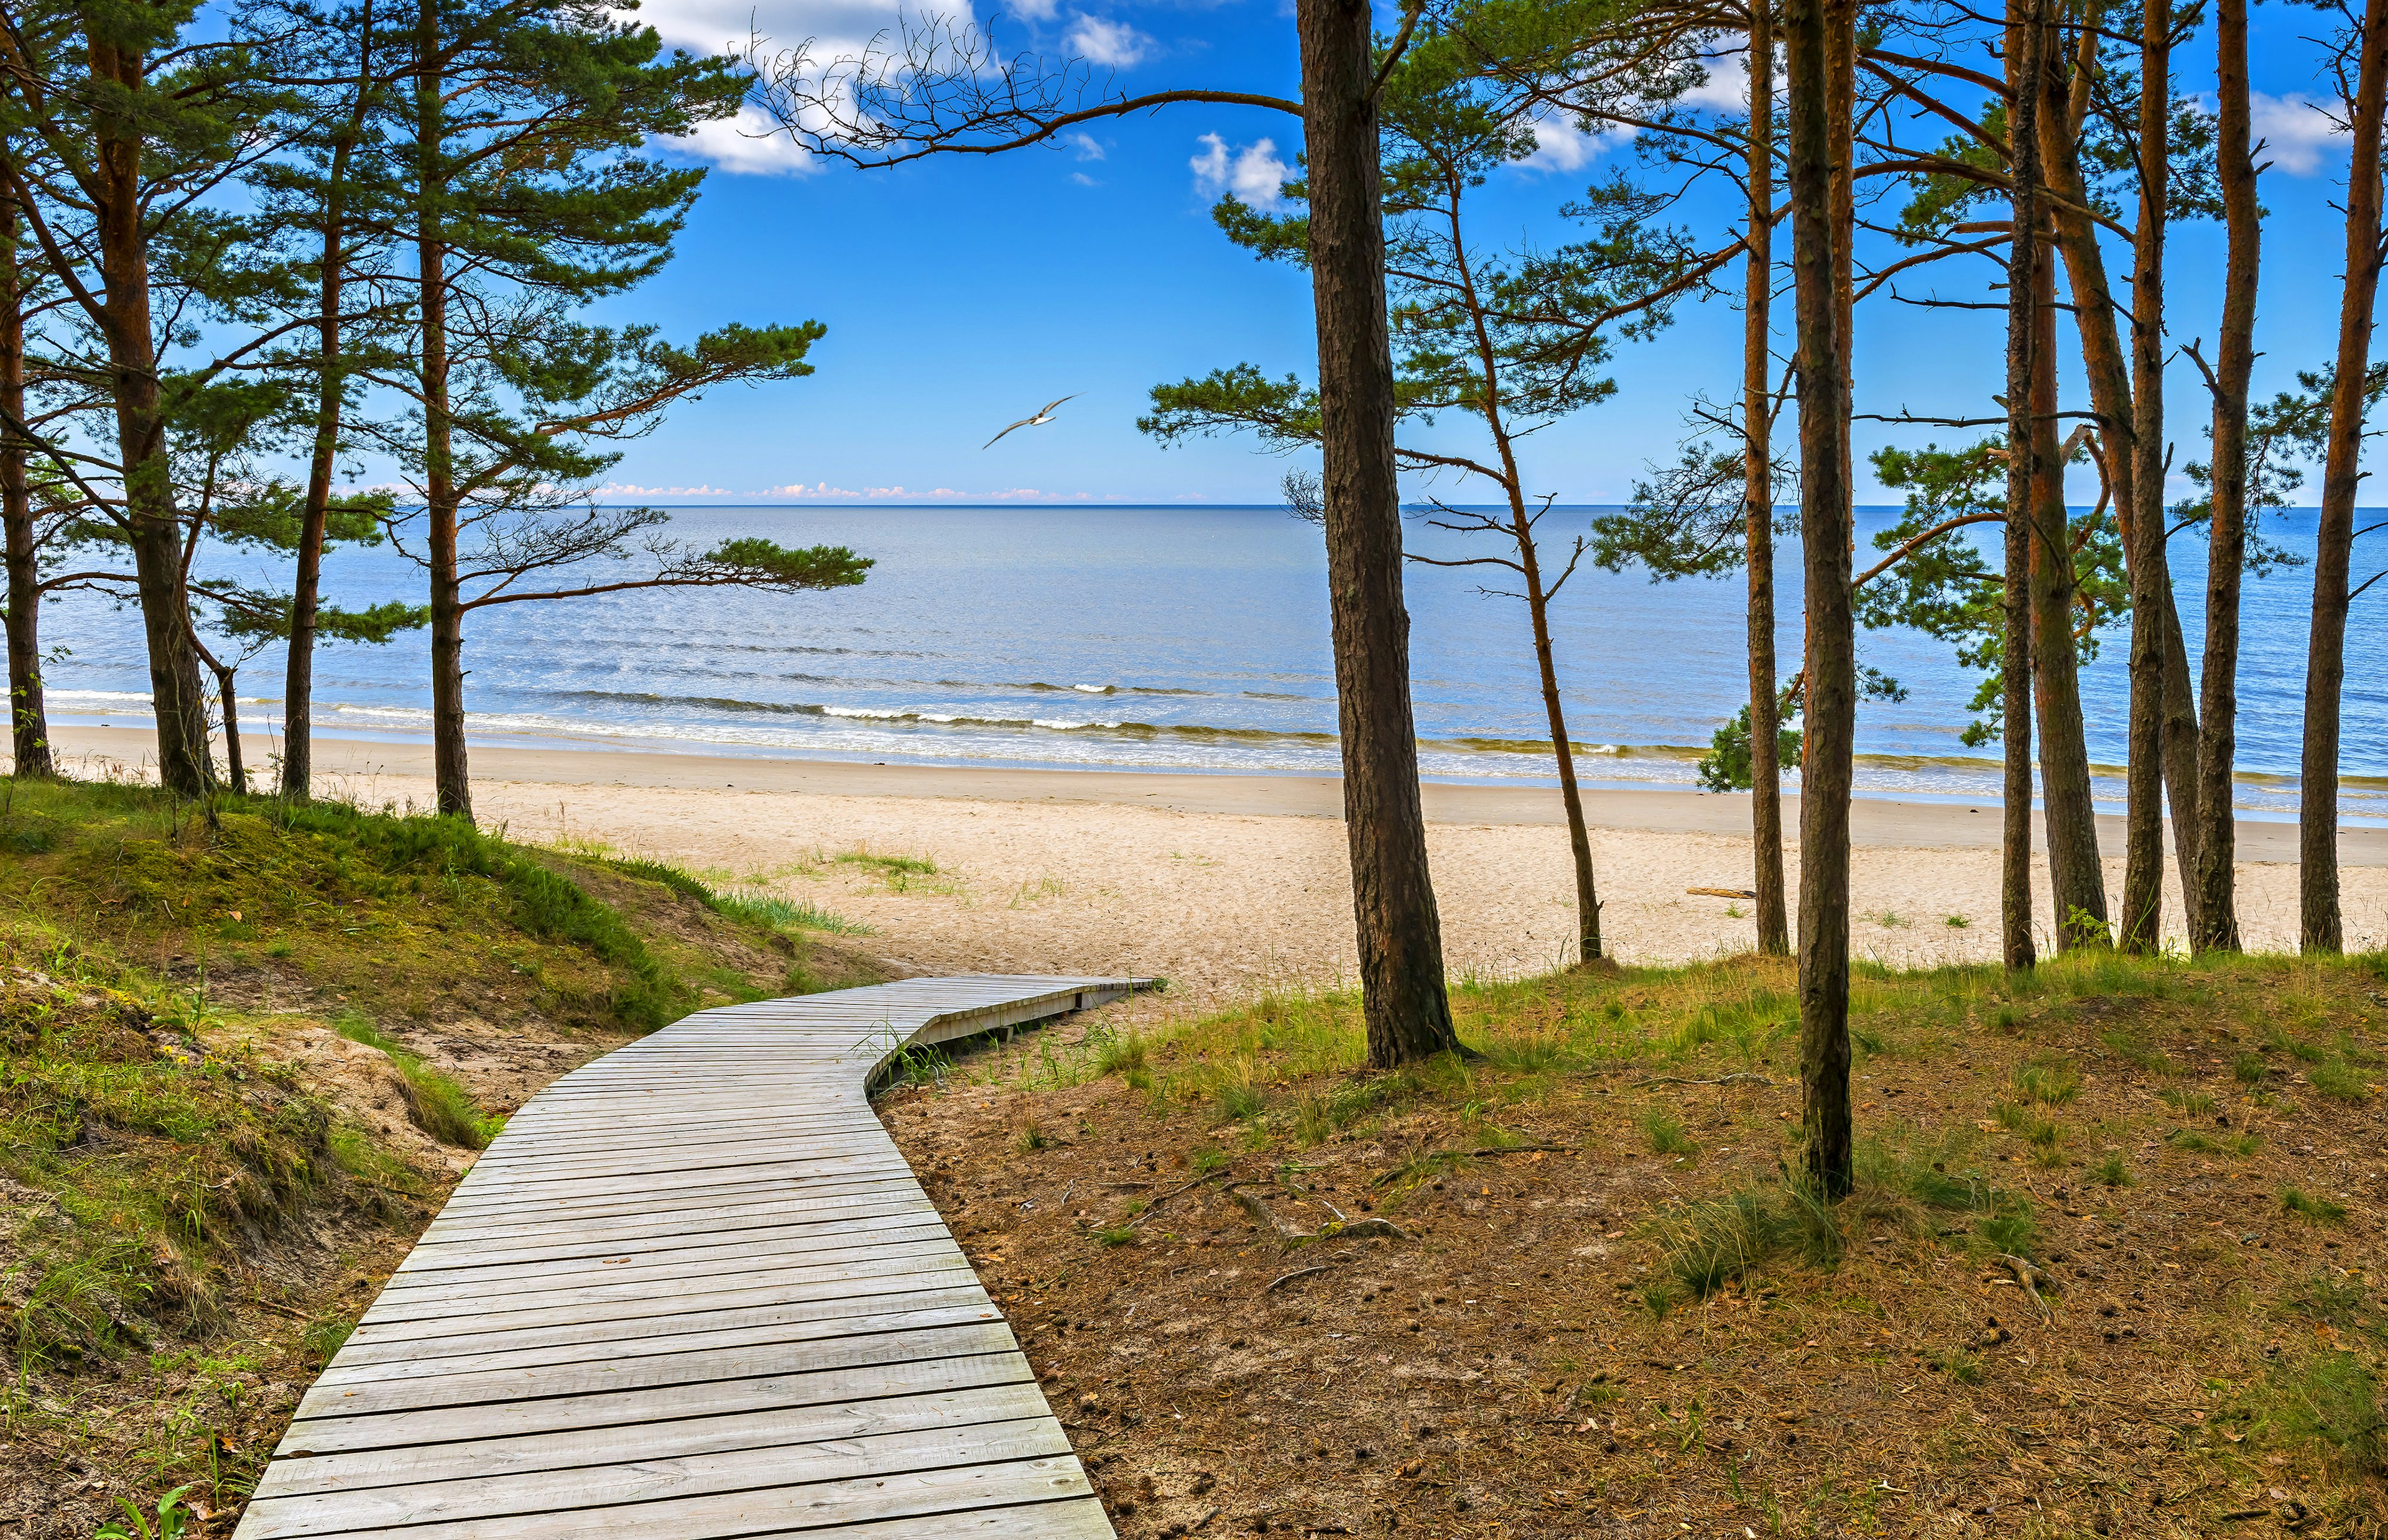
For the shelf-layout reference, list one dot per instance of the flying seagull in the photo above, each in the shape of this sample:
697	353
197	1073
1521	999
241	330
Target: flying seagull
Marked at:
1038	421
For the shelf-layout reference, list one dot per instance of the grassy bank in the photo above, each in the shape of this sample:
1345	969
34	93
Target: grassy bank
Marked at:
242	1053
2114	1265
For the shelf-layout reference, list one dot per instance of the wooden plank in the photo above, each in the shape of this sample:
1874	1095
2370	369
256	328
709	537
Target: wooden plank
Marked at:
692	1291
786	1508
651	1480
992	1393
647	1333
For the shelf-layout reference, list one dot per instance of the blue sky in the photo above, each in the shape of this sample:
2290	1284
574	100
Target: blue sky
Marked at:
961	294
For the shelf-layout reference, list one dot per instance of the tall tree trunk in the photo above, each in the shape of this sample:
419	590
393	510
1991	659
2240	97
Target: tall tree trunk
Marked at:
2077	879
1814	32
1538	603
1758	496
2181	738
2023	39
28	720
152	527
2140	512
2320	925
451	773
1400	935
2065	102
331	393
2217	918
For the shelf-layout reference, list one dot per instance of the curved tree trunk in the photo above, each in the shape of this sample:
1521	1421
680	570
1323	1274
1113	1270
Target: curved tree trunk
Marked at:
153	528
1758	496
2320	926
2078	880
1400	935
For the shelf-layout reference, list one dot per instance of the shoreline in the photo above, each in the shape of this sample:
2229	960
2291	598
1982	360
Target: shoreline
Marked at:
1875	823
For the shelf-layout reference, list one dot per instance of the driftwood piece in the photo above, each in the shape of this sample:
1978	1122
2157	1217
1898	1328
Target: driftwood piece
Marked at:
1724	892
1747	1077
1154	1207
1342	1229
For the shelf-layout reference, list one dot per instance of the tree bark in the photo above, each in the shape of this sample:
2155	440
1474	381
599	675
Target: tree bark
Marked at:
152	528
2142	513
1815	32
451	772
1587	892
2320	924
331	393
1757	468
28	719
2217	917
2023	52
1402	992
2076	879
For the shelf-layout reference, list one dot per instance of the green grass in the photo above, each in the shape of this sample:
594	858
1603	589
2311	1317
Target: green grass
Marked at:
2050	1079
2111	1171
437	1104
1665	1132
2321	1211
2339	1080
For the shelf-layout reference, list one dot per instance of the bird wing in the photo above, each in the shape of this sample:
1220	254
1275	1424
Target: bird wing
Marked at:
1050	405
1021	423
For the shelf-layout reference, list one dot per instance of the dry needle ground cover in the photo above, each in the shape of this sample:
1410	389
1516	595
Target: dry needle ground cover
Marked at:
241	1060
2113	1265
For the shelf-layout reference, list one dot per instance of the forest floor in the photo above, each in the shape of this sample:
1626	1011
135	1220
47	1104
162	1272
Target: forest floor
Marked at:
2113	1265
241	1065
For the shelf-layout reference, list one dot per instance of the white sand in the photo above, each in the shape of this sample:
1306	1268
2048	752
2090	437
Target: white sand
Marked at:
1225	902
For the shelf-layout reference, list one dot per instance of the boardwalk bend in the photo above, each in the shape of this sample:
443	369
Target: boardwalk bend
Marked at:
692	1291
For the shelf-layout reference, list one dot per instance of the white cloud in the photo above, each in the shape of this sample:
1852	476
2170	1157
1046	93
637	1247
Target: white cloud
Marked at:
748	145
1114	44
2294	129
1082	180
1032	10
1252	173
1086	145
828	29
1726	89
1560	146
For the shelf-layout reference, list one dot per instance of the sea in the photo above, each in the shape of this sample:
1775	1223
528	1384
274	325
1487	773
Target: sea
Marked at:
1194	638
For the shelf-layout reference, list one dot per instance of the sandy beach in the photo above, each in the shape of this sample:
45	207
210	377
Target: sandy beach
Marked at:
1230	885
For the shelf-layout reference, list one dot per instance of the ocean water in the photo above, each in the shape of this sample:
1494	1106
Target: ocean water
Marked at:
1190	638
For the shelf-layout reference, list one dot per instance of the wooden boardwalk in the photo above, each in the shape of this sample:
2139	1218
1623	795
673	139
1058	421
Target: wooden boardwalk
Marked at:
692	1291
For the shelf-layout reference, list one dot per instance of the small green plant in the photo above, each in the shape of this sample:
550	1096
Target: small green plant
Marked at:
2045	1136
2051	1079
1120	1055
325	1337
1032	1136
1206	1161
1665	1131
2339	1080
1115	1235
1889	919
2189	1104
2111	1171
1956	922
2321	1211
2250	1069
2009	1233
173	1520
436	1103
774	913
2335	1400
1960	1366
